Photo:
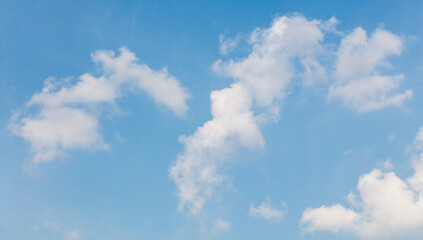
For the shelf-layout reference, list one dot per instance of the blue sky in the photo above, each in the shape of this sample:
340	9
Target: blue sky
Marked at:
211	120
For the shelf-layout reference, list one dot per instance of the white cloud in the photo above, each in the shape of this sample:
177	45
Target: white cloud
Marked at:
387	165
348	152
260	84
330	26
195	171
391	138
359	83
418	142
55	129
228	44
72	235
222	225
163	87
69	113
386	207
266	211
56	226
52	225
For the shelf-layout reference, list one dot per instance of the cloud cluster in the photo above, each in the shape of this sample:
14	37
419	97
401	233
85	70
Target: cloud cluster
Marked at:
359	83
289	49
260	84
386	206
68	113
266	211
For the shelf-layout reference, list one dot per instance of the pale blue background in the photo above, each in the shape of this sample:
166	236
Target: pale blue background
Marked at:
126	193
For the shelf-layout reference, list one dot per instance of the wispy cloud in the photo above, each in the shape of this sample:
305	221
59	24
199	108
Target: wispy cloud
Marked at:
348	152
222	225
266	211
227	44
392	138
72	235
57	227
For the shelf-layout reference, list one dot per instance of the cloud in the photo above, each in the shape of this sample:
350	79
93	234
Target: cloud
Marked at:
387	165
391	138
52	225
359	83
418	142
68	113
266	211
222	225
72	235
348	152
330	26
228	44
56	227
163	87
260	84
386	207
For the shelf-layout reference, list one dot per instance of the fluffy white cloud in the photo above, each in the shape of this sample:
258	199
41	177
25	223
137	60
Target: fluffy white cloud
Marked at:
359	83
386	207
196	170
163	87
266	211
55	129
260	83
69	112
